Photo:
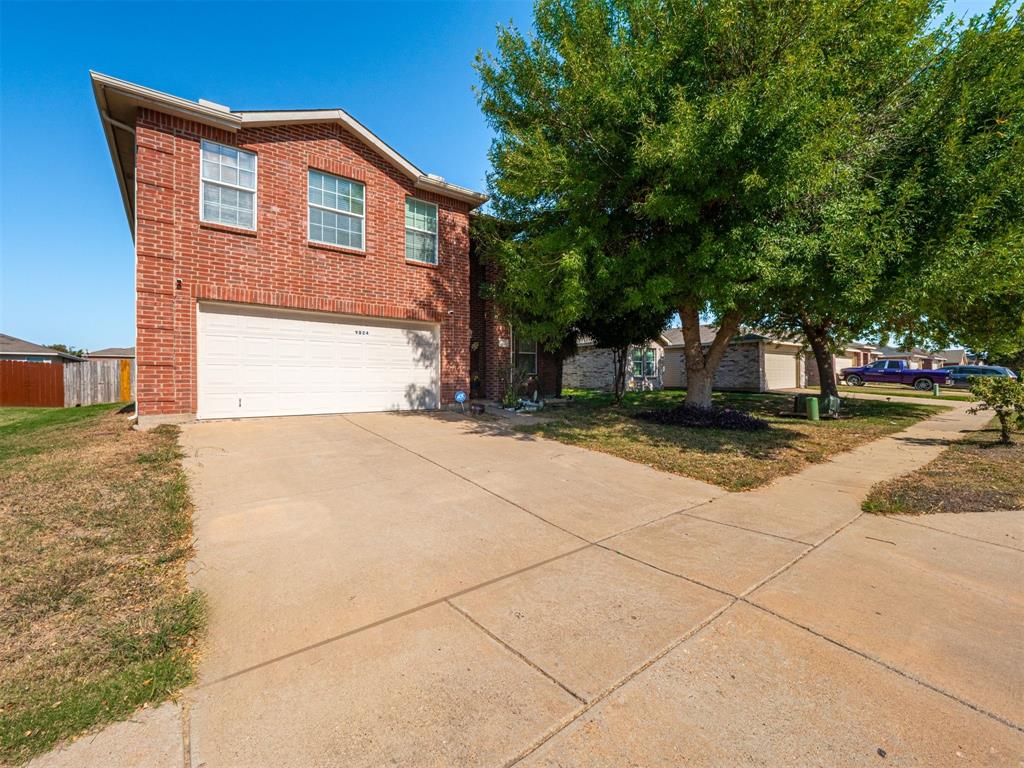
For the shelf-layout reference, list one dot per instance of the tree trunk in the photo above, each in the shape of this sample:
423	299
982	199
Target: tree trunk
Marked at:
1004	427
817	336
700	364
559	365
619	356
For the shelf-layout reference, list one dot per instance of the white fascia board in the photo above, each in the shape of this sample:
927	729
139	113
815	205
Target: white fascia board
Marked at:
451	190
166	103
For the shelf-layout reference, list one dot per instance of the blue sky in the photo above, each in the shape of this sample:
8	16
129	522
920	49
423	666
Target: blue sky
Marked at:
66	258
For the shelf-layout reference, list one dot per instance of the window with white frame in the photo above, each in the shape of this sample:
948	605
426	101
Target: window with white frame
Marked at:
526	356
228	186
337	210
420	231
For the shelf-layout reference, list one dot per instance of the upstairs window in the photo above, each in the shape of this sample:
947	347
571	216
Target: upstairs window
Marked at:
337	210
526	356
228	186
420	231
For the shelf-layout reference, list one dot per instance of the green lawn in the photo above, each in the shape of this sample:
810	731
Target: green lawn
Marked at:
945	393
977	474
733	460
95	612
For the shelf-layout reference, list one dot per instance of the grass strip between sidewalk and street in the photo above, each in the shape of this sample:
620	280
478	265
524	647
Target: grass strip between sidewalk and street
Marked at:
976	474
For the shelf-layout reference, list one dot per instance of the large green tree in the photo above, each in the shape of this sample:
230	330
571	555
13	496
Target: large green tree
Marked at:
962	176
644	148
842	237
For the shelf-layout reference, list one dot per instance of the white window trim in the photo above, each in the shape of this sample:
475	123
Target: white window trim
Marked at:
515	358
436	235
254	190
360	216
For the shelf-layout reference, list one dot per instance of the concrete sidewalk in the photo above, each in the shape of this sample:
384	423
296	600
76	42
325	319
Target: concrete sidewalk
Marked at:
427	590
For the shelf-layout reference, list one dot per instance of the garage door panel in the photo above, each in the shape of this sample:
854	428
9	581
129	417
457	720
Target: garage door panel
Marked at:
780	370
263	362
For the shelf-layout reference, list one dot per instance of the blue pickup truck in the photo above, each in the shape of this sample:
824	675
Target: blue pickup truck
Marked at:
896	372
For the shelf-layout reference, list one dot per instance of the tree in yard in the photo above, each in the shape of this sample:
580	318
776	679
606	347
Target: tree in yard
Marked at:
67	350
619	332
646	147
1004	396
915	228
963	180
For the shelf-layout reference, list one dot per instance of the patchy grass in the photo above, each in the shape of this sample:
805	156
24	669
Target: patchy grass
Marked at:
945	393
977	474
96	618
731	459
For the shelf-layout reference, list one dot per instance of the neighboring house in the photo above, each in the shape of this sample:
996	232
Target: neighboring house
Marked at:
916	357
593	367
753	362
290	262
25	351
112	353
852	355
955	356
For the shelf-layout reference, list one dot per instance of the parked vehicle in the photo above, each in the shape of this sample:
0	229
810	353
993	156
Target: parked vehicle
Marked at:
961	374
896	372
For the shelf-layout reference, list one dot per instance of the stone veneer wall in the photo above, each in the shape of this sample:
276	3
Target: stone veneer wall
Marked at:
594	368
740	368
590	368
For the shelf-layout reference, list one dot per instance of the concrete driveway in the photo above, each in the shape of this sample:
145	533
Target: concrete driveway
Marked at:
416	590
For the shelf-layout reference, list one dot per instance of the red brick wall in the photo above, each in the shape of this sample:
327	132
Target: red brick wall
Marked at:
497	346
276	265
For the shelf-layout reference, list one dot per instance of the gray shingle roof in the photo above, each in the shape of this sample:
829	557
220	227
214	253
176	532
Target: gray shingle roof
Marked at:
113	352
674	336
9	345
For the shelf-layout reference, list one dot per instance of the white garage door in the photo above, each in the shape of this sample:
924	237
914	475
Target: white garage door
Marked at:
254	361
779	370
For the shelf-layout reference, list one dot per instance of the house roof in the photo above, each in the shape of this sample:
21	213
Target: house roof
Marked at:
113	352
897	352
674	336
119	101
9	345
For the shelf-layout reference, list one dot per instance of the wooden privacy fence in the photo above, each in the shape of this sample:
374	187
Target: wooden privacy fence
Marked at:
97	381
31	383
55	385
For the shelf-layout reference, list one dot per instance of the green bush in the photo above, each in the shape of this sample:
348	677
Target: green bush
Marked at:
1003	395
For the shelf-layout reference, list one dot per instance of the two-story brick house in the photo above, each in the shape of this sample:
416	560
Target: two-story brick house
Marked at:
286	262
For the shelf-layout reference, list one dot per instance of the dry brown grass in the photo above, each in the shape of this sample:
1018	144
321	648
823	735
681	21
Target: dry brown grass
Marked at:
732	459
974	475
96	617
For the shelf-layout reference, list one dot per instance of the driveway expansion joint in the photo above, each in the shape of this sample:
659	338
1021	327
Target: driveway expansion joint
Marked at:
597	699
388	619
954	533
186	733
890	667
522	657
466	479
687	513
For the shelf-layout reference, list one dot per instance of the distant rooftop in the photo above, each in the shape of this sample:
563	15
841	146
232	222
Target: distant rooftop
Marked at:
9	345
113	352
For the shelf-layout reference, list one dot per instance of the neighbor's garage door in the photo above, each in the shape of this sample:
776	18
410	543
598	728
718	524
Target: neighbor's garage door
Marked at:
263	362
780	370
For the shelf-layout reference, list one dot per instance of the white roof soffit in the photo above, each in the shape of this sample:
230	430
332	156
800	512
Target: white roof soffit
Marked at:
118	102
